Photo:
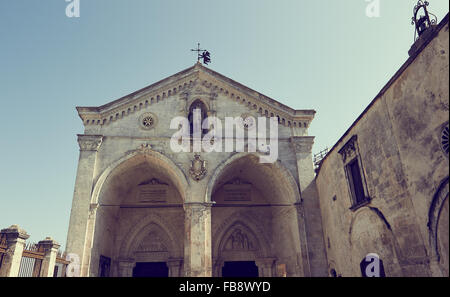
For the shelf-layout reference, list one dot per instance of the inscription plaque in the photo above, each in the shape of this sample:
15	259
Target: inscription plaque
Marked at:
153	192
238	192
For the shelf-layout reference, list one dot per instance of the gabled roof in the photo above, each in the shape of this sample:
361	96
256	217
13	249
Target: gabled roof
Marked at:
182	82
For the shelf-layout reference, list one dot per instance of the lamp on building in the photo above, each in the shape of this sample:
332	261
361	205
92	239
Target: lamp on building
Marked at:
422	22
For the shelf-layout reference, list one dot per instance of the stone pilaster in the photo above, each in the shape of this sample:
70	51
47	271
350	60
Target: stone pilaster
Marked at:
15	240
303	257
126	268
50	248
265	267
175	267
309	214
197	247
79	217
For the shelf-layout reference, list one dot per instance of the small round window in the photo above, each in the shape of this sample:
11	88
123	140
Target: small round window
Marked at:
444	139
147	121
249	121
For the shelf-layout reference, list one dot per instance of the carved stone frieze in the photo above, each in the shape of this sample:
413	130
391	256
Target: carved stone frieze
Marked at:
90	142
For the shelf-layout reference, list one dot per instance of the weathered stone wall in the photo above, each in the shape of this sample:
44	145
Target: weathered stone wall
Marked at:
398	137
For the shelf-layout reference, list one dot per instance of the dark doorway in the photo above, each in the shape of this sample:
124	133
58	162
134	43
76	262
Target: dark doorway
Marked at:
157	269
240	269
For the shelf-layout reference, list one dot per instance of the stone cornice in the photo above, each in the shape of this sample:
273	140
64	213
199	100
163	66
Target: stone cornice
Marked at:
90	142
180	83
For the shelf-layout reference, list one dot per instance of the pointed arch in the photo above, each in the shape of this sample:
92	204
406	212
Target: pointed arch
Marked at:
145	226
239	220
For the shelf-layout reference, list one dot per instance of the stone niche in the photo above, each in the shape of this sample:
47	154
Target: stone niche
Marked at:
153	191
237	191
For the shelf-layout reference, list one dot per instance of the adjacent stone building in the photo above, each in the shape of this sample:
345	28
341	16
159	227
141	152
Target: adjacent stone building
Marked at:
142	209
383	188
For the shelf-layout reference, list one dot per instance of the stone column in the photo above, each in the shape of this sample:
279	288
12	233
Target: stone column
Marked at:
50	248
265	267
77	235
197	244
308	211
174	267
15	240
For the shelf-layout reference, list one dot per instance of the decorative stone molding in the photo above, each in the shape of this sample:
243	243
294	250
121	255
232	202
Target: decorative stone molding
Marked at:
215	84
145	148
433	216
93	210
197	210
349	150
90	142
198	168
443	139
302	144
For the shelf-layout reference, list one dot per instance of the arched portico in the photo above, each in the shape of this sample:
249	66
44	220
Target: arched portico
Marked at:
251	201
139	203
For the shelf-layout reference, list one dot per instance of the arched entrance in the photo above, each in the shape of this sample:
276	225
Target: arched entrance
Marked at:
139	222
254	219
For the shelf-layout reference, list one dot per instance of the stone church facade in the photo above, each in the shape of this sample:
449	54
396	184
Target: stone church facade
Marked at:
140	207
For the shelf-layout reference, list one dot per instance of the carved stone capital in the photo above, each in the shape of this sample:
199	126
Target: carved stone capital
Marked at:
90	142
302	144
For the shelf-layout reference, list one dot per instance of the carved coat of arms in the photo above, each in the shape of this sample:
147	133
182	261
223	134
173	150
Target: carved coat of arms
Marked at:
198	168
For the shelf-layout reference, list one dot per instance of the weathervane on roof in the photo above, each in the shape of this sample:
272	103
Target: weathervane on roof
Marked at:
202	54
422	22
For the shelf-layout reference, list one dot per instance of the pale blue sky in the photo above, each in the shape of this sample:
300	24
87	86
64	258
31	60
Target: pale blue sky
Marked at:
325	55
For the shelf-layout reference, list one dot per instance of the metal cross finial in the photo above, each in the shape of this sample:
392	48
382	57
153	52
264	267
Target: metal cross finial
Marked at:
202	54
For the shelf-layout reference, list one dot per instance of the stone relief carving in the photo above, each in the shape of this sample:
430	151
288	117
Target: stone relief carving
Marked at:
198	168
348	151
90	142
145	148
152	243
238	241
